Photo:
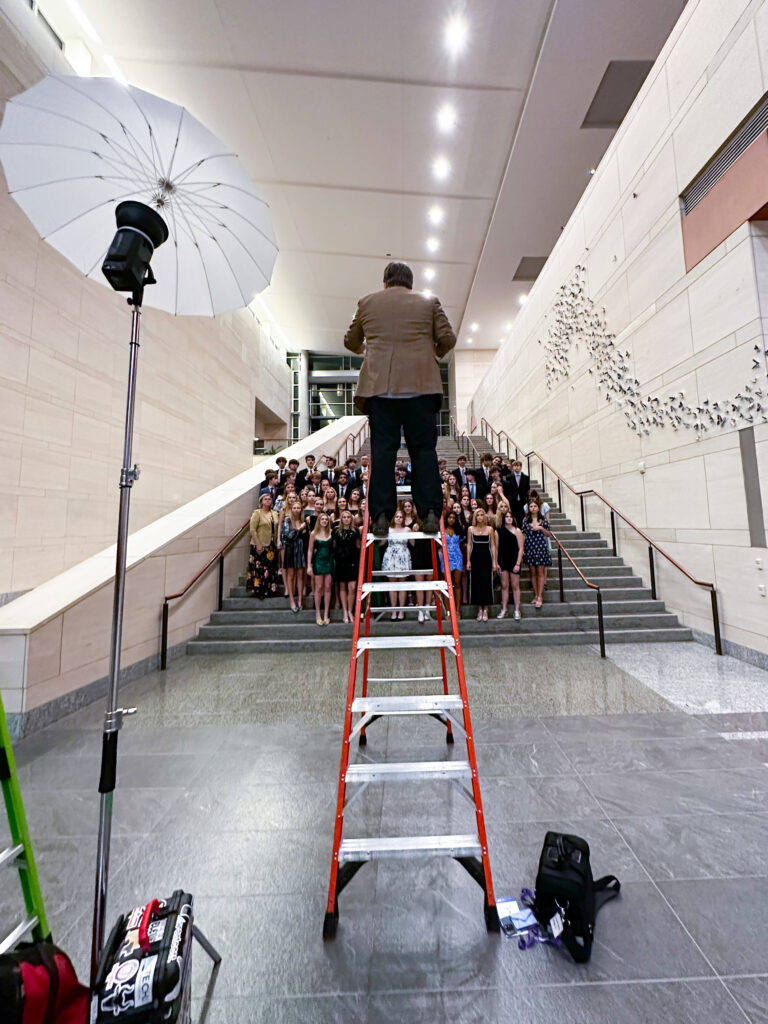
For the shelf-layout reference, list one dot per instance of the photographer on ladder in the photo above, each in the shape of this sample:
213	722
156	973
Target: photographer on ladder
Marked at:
402	335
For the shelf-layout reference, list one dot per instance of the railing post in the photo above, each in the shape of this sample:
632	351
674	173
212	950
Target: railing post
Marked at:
220	588
528	458
559	495
613	532
653	572
560	571
716	622
164	639
600	625
583	516
543	477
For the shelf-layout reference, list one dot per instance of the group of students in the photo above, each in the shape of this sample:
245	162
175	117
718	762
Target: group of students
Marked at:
495	524
307	529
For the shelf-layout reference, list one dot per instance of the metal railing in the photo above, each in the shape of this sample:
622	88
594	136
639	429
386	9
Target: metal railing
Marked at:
351	444
464	442
489	434
562	550
218	557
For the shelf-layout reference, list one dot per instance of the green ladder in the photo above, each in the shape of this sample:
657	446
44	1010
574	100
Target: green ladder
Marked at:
19	853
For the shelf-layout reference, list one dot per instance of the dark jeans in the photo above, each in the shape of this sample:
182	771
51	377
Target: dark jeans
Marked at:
418	419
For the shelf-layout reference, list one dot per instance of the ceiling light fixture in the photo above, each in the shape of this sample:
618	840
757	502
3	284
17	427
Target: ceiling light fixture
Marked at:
470	340
474	327
456	34
447	118
426	292
522	299
441	167
433	244
508	327
429	273
436	215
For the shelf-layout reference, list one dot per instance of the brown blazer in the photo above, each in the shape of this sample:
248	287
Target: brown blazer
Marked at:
405	334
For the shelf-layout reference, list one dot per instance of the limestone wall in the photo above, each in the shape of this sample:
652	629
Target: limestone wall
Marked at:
689	340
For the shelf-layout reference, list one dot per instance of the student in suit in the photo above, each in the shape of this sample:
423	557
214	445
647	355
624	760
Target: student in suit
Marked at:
270	486
483	476
460	473
304	476
472	484
403	334
353	473
516	487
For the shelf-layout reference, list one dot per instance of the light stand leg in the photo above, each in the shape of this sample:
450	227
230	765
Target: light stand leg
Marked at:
197	934
114	714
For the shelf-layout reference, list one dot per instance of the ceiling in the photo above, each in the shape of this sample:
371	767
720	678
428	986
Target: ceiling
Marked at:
332	107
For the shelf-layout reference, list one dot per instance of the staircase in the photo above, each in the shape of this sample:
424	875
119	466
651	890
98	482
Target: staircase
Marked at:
630	613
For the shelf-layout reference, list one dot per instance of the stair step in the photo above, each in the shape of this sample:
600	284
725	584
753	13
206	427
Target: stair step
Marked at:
425	704
402	847
409	771
518	634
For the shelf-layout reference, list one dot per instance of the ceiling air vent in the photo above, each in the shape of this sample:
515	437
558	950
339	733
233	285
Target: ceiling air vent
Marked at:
618	88
529	268
751	128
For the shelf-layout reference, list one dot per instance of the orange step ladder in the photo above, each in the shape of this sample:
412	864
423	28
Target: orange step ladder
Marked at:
451	709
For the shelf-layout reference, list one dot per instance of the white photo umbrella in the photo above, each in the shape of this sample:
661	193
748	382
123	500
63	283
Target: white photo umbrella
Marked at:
72	148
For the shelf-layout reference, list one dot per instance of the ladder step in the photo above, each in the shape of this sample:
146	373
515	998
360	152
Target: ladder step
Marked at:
398	535
409	771
378	643
428	704
18	933
428	586
12	853
405	679
393	847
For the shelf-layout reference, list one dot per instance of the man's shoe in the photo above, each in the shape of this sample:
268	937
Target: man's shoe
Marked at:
431	523
380	526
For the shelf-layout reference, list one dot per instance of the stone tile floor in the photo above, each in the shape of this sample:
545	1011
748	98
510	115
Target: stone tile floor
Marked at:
227	784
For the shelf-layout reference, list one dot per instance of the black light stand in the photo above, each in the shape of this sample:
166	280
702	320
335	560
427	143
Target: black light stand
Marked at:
140	231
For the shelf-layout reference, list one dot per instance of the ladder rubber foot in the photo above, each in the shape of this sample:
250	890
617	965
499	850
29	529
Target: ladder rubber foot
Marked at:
331	923
492	923
363	740
449	738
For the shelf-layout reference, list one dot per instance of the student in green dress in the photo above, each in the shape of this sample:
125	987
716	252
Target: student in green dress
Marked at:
320	567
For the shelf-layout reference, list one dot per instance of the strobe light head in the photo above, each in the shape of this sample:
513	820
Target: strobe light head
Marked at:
140	230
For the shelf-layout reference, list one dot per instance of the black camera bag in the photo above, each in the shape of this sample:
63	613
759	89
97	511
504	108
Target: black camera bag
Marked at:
564	885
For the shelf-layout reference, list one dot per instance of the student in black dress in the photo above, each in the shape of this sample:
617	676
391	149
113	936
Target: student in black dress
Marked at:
481	563
536	554
511	545
292	534
346	559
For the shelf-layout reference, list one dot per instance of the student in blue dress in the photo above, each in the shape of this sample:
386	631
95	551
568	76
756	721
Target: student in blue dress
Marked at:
536	555
453	537
397	559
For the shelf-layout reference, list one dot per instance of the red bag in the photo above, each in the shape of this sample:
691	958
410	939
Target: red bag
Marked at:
38	985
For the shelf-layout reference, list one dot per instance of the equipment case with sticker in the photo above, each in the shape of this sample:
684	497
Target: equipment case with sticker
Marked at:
145	970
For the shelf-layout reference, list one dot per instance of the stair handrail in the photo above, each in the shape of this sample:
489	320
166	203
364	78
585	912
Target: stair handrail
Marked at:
357	441
463	439
562	550
487	429
218	556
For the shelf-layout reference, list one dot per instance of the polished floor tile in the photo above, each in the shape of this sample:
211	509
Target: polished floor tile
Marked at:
228	785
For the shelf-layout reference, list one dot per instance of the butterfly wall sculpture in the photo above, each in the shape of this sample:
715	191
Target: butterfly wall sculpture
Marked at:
574	318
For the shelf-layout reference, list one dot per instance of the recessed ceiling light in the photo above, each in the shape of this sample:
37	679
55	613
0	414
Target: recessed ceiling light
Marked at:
474	327
429	273
441	167
456	33
426	292
433	244
436	215
508	327
447	118
501	341
470	340
523	299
